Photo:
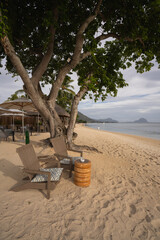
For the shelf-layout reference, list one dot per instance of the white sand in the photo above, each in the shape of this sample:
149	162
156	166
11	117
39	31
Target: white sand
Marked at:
122	202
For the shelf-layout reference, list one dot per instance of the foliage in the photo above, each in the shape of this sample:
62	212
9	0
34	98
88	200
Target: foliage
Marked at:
66	94
104	71
29	22
18	94
81	121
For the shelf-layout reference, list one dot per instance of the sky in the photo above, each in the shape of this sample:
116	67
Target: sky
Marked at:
141	99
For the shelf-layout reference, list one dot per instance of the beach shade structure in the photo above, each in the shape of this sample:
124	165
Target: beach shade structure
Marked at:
26	105
22	104
63	114
4	110
13	115
61	153
39	178
10	113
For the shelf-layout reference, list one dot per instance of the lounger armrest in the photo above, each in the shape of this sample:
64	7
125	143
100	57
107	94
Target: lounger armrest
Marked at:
38	172
62	156
76	151
46	158
43	156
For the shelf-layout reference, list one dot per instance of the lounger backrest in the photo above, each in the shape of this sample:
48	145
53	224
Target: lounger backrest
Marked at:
59	145
28	158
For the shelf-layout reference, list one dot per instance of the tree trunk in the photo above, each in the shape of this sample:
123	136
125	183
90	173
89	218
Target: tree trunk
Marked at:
73	115
44	107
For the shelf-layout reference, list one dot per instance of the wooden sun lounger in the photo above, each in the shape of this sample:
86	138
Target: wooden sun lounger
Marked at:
35	172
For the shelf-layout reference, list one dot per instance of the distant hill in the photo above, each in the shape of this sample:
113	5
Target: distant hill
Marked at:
141	120
84	118
108	120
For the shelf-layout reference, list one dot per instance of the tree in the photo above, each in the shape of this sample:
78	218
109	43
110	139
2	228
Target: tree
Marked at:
53	38
18	94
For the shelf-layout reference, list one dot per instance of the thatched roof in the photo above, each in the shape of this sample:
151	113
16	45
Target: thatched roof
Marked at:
61	111
27	106
22	104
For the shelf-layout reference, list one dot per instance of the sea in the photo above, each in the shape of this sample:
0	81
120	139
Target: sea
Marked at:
149	130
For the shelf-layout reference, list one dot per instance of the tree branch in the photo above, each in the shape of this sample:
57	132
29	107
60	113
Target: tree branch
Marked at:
41	68
105	36
84	55
80	38
31	90
10	52
113	35
99	38
76	55
57	84
132	40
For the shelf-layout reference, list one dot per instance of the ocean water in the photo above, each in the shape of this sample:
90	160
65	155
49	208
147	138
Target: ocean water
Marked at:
149	130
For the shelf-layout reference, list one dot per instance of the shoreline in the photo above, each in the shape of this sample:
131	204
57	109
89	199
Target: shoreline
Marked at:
123	133
147	139
122	201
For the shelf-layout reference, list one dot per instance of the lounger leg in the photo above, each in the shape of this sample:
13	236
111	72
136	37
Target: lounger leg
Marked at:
71	167
70	173
48	194
48	187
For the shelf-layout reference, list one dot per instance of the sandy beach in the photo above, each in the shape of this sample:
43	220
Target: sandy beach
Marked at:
122	202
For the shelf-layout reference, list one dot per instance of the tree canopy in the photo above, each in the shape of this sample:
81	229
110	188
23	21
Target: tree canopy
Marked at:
46	40
29	28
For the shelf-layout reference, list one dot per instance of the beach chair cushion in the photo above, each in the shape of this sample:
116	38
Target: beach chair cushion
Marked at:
55	175
67	161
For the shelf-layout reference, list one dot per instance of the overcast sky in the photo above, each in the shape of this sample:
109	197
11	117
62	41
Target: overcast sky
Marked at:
140	99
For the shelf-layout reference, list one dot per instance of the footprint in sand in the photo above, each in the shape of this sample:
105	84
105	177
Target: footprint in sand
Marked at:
158	208
132	183
148	219
105	205
130	210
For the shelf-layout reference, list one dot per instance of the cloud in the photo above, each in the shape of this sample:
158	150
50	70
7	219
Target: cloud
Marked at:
139	99
8	85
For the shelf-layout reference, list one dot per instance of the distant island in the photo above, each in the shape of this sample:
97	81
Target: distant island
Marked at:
141	120
108	120
84	119
81	118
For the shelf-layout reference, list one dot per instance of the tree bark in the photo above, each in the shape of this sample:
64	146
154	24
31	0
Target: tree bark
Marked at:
73	114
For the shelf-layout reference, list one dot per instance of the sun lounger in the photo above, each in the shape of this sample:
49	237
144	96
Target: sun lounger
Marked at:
39	178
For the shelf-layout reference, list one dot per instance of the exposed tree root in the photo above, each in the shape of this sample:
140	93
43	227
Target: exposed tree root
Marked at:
73	146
